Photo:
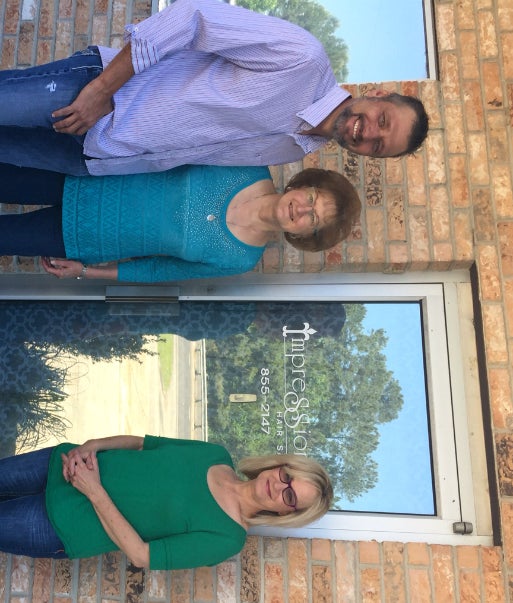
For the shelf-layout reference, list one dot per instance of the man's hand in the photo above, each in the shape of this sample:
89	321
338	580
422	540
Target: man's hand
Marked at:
90	105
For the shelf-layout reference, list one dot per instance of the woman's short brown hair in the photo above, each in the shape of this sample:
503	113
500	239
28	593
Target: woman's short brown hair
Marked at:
346	202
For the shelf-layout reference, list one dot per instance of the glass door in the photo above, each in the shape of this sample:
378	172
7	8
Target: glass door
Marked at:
343	382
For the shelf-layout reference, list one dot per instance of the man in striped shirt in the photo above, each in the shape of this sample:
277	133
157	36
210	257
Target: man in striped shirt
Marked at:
201	82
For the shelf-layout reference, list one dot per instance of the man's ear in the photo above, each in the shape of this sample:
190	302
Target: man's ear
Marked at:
377	92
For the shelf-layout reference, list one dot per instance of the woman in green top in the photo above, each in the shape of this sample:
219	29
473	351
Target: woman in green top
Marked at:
166	503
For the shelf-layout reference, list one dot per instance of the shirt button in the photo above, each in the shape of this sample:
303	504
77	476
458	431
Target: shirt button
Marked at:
211	217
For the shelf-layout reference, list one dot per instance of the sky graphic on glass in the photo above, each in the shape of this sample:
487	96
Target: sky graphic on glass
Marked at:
386	39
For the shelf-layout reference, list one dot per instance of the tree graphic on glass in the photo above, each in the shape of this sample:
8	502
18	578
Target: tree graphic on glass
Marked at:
318	392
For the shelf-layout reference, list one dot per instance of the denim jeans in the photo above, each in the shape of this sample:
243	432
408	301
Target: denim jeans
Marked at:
24	525
27	99
37	232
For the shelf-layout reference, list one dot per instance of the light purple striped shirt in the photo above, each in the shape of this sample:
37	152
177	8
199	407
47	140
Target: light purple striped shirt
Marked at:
214	84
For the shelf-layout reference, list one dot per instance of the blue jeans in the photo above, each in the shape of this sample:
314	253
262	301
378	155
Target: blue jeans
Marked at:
24	525
27	99
37	232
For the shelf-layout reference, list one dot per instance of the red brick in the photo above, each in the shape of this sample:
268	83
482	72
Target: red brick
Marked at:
25	43
398	257
369	552
469	60
345	568
82	13
435	153
274	583
65	9
473	106
226	582
460	196
478	159
439	213
46	18
418	232
454	134
493	579
465	15
430	93
495	340
502	190
449	76
420	586
396	221
297	570
322	590
376	235
321	549
505	14
370	585
417	553
498	138
505	231
63	577
88	577
203	583
492	85
181	586
111	574
463	235
42	580
507	58
443	574
416	180
393	570
470	587
487	35
11	16
445	28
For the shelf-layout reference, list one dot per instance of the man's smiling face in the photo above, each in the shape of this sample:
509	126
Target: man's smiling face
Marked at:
374	126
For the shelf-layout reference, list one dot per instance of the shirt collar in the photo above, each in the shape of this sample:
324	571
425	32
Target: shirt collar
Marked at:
320	109
314	114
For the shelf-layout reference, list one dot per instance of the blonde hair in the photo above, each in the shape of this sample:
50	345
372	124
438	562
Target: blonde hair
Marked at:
298	467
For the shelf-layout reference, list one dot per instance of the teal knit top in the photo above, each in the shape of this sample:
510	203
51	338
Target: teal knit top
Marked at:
171	225
162	492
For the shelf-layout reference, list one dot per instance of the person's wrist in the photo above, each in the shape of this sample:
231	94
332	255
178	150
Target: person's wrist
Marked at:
83	272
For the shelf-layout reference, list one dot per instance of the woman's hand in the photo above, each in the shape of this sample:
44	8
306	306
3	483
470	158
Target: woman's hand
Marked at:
62	268
79	453
86	476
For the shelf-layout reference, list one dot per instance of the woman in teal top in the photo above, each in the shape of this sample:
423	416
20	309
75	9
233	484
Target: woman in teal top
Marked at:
166	503
189	222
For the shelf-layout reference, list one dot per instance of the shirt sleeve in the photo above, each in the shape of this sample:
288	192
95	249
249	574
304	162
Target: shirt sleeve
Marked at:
249	39
162	269
195	549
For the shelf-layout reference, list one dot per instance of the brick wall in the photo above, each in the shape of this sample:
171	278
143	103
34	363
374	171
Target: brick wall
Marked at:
447	207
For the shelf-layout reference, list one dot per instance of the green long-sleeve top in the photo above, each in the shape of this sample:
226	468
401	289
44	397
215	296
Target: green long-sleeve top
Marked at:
162	492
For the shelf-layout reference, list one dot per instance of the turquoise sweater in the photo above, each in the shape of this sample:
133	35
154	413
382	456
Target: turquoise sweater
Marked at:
162	492
171	225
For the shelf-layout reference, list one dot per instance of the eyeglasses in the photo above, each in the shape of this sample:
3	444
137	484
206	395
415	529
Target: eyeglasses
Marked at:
288	494
313	193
